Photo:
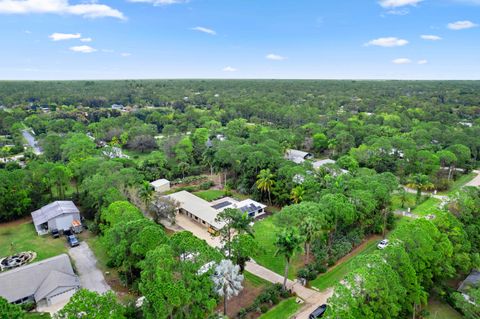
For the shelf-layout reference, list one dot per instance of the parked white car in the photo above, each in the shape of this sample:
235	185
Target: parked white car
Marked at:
382	244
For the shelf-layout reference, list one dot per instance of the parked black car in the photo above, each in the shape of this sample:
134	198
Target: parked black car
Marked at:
72	241
55	233
319	312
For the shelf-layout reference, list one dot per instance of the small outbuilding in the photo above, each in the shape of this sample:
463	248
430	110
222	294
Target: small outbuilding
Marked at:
161	185
57	215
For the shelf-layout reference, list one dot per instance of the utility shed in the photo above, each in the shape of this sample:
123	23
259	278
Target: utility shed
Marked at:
47	282
161	185
57	215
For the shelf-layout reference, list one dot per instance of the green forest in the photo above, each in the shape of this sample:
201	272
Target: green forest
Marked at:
386	159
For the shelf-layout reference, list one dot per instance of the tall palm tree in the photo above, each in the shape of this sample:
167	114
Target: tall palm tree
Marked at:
421	183
297	193
265	182
310	229
227	281
288	243
145	193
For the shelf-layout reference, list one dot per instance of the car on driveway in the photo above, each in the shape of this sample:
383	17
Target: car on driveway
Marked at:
319	312
72	241
382	244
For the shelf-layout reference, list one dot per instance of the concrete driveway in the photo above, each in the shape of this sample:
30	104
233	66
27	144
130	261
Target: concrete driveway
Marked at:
85	262
196	229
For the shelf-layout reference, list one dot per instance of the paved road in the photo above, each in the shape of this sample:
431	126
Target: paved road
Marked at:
476	180
85	262
32	142
312	298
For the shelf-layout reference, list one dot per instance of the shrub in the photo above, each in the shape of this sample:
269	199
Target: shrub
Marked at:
264	308
206	185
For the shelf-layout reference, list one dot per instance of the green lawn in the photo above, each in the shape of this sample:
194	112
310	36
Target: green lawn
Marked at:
24	238
397	202
284	310
265	232
37	315
441	310
211	194
456	185
254	280
335	275
430	206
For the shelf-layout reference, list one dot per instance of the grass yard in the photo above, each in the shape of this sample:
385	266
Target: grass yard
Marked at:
254	280
397	202
441	310
430	206
24	238
456	185
211	194
37	315
265	232
335	275
284	310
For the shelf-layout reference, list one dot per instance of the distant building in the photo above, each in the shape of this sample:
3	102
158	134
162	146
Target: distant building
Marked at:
161	185
47	282
119	107
297	156
320	163
57	215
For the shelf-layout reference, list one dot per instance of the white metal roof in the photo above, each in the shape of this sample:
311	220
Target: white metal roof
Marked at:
160	182
197	207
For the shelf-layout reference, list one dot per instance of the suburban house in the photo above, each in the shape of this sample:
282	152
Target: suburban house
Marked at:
197	209
321	163
249	206
57	215
161	185
297	156
473	280
205	213
47	282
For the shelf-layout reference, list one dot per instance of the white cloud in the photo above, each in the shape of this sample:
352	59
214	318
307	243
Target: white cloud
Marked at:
86	39
160	2
422	61
125	54
401	12
83	49
388	42
275	57
205	30
64	36
229	69
430	37
27	32
402	61
460	25
87	10
398	3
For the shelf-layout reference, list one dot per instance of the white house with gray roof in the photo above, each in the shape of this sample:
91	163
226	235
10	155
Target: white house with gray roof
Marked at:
47	282
57	215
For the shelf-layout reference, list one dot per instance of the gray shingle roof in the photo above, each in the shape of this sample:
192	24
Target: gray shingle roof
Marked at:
53	210
31	279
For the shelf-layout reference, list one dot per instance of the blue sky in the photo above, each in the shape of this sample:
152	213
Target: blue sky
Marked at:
313	39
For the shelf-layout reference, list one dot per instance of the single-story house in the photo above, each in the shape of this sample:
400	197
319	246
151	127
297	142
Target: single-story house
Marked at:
297	156
161	185
249	206
197	209
472	280
320	163
57	215
47	282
